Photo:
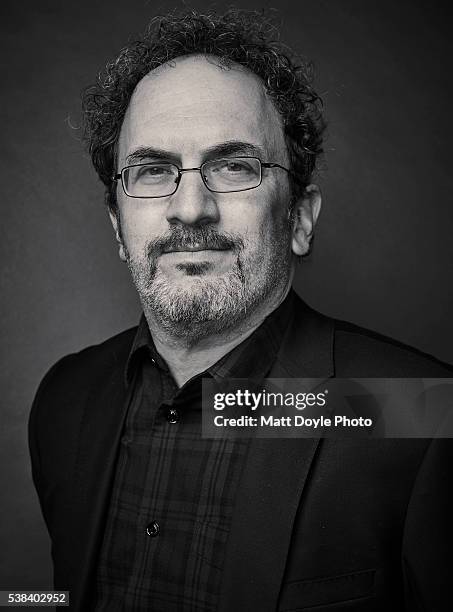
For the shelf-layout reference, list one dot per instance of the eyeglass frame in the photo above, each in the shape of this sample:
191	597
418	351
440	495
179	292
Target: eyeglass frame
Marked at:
119	175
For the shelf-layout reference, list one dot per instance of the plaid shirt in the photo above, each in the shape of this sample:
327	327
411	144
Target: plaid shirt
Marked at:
174	492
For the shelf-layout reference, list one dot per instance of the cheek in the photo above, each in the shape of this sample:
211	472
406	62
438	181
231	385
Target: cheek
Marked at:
140	222
254	212
263	218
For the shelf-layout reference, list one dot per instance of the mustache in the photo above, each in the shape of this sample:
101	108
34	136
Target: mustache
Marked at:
204	237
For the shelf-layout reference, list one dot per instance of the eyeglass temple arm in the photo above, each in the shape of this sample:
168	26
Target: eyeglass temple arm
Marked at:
274	165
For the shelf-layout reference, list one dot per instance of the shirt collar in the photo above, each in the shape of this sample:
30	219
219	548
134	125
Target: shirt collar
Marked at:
253	358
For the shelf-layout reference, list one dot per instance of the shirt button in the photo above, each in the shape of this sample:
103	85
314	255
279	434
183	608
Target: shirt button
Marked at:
172	415
153	529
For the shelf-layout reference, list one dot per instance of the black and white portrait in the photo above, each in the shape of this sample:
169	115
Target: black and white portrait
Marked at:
195	194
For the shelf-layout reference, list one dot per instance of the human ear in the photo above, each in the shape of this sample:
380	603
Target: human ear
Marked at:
116	226
306	212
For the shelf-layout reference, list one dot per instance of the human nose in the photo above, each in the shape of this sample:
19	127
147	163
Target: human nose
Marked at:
192	203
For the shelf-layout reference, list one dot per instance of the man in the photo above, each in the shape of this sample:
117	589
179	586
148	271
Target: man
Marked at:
206	134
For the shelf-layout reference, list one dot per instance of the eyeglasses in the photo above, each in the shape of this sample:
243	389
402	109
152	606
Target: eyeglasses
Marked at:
161	179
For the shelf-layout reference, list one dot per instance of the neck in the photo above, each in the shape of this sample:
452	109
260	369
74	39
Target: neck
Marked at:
188	356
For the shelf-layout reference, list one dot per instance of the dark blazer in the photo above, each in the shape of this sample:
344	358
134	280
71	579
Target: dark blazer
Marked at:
318	525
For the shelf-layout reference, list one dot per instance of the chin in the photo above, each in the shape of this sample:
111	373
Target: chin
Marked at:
196	304
194	301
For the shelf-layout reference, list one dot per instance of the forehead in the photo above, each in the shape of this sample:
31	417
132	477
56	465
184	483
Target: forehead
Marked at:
193	104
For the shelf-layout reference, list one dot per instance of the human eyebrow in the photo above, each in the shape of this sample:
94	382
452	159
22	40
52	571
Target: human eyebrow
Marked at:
150	153
223	149
233	147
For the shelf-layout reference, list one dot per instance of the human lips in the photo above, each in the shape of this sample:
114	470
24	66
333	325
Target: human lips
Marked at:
193	248
193	243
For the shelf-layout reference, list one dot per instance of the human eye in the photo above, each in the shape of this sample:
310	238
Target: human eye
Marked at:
234	170
152	173
235	166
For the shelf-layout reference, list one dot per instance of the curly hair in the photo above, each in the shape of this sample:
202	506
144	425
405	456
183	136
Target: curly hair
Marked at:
247	38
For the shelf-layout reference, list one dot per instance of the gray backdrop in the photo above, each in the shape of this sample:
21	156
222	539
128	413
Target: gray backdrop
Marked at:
383	255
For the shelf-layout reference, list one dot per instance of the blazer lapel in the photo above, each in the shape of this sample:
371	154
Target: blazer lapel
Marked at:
94	471
274	478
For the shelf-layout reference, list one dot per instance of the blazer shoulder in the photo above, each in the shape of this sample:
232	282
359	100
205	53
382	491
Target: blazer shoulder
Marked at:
73	377
371	354
71	384
91	361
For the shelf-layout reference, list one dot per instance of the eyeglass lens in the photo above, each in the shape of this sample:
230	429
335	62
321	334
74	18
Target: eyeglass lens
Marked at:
221	175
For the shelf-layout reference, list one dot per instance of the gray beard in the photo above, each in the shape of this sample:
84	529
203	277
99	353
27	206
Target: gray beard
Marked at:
209	305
